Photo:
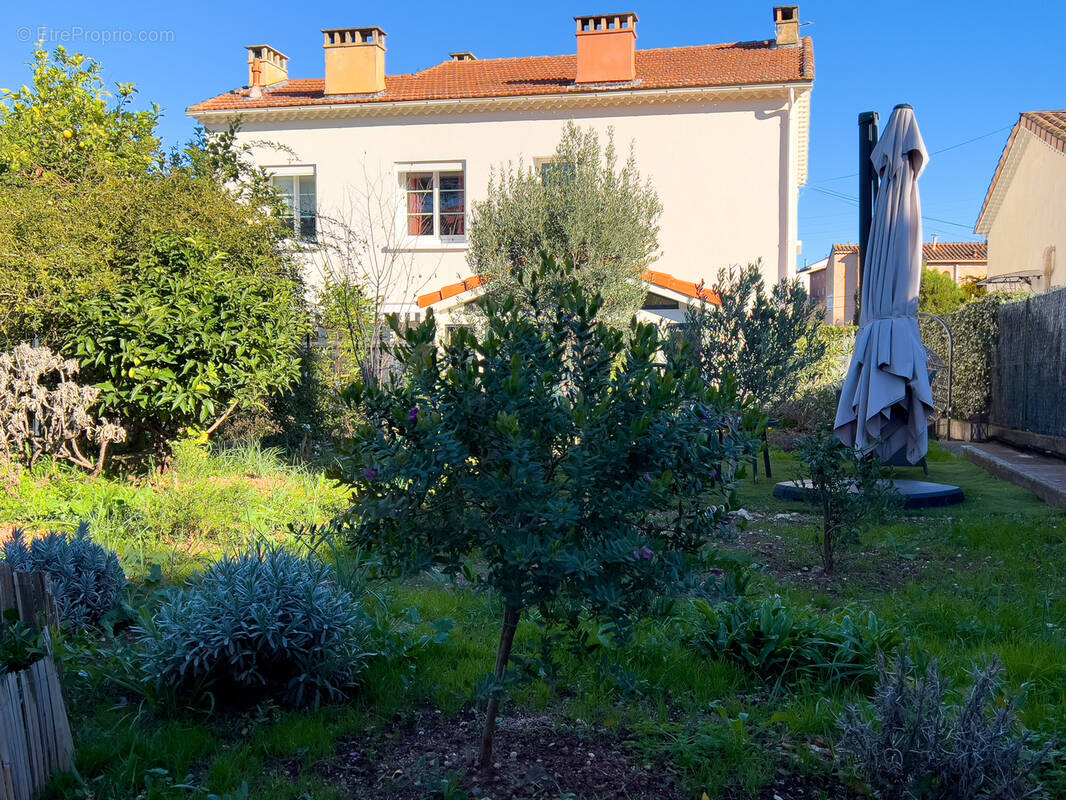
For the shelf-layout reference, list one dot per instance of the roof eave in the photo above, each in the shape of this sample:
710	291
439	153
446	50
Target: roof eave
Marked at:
490	104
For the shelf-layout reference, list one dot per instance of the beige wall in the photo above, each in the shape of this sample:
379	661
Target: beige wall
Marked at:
841	282
961	272
725	172
1032	218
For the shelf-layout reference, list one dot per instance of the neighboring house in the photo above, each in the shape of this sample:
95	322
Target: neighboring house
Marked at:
840	281
835	286
963	262
1024	213
721	130
812	279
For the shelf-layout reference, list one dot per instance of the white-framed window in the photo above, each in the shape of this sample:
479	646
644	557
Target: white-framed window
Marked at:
299	195
434	197
552	170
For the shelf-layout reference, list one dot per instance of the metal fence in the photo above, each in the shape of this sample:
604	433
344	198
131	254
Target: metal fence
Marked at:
1029	369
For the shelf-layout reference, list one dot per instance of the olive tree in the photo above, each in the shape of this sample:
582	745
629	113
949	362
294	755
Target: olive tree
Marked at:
583	208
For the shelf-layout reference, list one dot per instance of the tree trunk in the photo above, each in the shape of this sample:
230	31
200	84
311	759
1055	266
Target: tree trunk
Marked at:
511	615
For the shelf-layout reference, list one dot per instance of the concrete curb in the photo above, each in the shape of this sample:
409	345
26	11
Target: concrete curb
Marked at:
1052	492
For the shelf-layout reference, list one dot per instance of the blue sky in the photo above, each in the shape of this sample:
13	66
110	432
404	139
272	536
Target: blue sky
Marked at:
968	68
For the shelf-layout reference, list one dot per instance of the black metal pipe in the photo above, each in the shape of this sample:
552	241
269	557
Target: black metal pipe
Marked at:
867	191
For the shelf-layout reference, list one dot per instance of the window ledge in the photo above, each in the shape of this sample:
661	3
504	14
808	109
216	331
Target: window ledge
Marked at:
431	246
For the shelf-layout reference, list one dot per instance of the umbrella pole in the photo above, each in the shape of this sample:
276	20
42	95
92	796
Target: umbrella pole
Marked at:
867	190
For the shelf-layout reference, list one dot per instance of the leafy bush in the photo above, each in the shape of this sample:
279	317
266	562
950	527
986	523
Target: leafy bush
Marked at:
763	340
568	456
915	745
845	486
264	623
86	190
939	294
20	644
787	643
185	338
87	580
975	331
814	403
45	412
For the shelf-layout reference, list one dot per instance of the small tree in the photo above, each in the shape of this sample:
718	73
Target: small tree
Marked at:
568	456
845	485
581	208
764	341
185	339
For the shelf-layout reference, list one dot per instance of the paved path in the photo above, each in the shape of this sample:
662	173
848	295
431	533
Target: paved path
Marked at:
1044	476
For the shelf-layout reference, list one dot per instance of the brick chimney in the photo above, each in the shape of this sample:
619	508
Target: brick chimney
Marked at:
787	20
355	60
606	48
273	65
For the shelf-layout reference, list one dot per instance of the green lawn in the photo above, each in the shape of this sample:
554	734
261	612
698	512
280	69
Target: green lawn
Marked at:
961	583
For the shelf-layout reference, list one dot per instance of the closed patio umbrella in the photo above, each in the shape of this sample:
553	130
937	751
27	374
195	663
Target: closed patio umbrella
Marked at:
886	399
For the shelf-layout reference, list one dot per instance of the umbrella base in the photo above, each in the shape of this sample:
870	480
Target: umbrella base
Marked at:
916	494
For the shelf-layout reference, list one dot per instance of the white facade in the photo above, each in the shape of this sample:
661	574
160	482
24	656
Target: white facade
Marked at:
726	161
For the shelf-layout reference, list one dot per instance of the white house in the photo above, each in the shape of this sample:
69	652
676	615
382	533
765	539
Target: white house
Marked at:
720	129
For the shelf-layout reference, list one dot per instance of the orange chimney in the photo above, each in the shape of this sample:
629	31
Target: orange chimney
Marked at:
273	65
606	48
355	60
787	22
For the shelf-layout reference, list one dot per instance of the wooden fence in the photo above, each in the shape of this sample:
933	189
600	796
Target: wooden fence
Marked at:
35	737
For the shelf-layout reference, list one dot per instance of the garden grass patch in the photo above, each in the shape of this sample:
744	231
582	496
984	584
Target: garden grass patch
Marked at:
975	580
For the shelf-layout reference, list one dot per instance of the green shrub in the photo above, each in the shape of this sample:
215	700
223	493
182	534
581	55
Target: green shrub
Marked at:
939	294
582	208
764	340
785	643
814	403
87	581
185	338
915	745
569	457
20	644
263	624
975	330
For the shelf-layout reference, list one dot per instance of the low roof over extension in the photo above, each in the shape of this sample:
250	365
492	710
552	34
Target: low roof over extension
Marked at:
654	279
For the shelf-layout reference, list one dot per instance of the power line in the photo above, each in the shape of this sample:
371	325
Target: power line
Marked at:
934	153
855	202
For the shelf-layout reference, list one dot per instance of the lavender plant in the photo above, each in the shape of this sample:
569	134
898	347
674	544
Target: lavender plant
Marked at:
87	580
264	623
916	745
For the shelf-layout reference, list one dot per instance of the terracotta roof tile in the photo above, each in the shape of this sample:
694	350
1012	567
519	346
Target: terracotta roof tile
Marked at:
942	252
736	64
451	290
1050	126
663	280
953	252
